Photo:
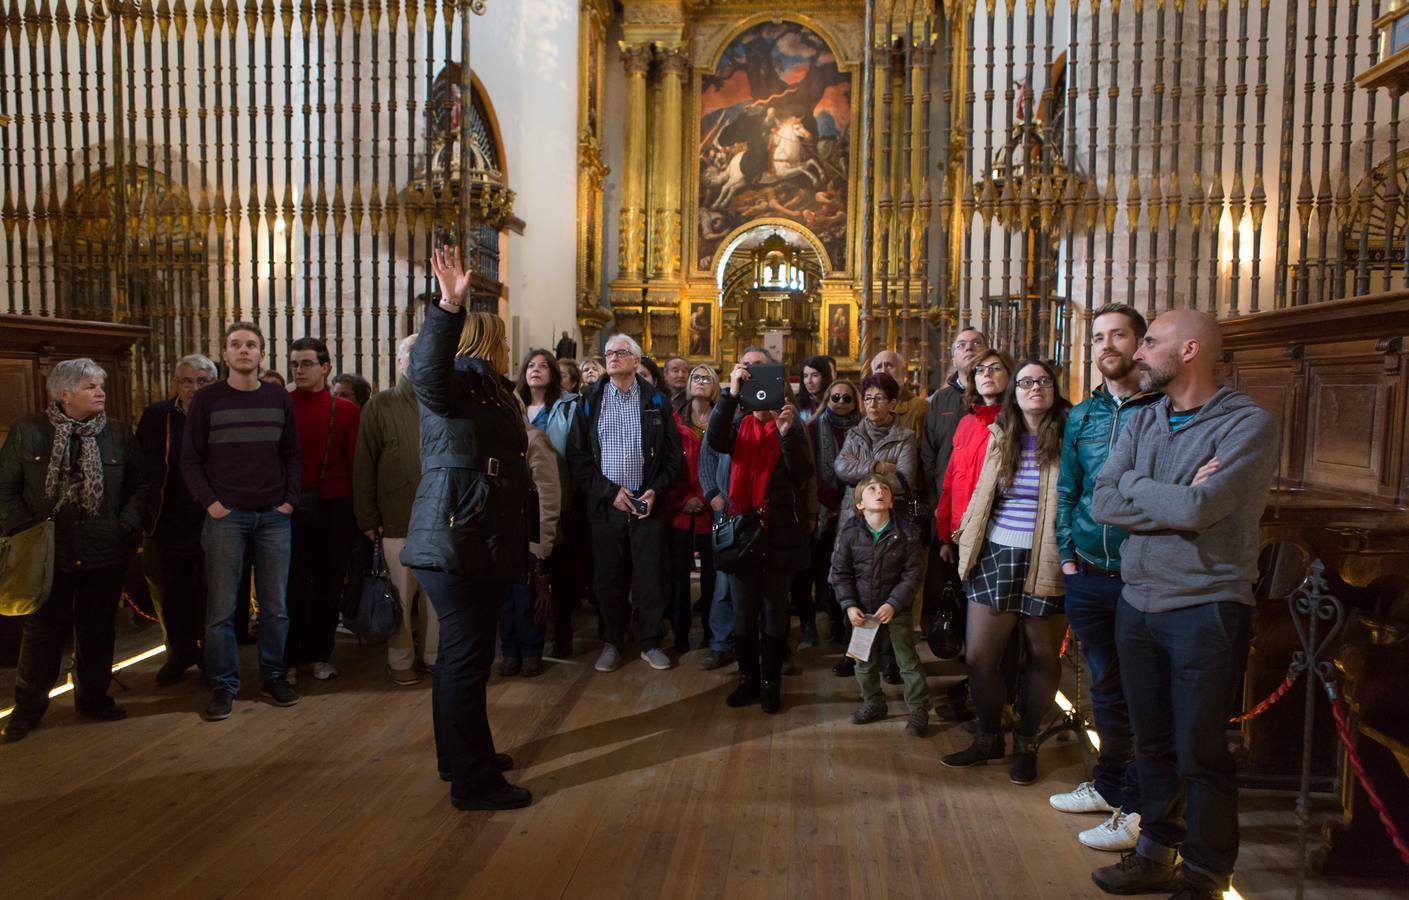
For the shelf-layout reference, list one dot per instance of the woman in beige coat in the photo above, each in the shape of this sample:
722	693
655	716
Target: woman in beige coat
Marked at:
1011	569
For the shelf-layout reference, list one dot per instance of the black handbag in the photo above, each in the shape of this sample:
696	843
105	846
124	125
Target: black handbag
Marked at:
737	541
913	509
945	634
371	609
308	497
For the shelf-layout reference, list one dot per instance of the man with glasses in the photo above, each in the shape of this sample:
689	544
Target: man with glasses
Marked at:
625	453
1091	566
171	549
946	408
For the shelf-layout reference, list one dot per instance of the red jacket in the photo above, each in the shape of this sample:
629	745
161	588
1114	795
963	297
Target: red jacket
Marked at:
688	485
965	464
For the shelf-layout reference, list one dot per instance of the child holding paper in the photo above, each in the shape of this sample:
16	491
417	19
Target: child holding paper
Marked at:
876	568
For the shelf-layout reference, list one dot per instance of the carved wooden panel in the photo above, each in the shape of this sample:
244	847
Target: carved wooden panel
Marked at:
18	391
1279	390
1348	412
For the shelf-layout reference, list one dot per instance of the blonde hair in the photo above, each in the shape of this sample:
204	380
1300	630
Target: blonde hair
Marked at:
714	391
483	337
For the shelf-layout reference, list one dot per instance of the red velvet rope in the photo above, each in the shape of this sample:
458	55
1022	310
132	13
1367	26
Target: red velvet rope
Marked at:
1338	709
1272	698
126	598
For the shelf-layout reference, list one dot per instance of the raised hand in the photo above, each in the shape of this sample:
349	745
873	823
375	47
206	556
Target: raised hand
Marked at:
454	280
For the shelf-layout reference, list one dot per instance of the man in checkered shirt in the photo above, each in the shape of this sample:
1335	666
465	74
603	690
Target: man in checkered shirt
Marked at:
624	453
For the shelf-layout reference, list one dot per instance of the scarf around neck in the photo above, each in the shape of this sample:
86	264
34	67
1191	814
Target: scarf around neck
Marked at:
827	446
757	450
60	485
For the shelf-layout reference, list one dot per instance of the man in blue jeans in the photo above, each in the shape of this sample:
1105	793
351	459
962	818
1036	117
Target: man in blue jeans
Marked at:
1091	564
240	459
1189	479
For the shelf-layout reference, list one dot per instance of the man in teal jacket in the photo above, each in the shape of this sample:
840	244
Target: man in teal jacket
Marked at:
1091	565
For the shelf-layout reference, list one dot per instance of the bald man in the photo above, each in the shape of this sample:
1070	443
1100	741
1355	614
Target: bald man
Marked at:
1188	480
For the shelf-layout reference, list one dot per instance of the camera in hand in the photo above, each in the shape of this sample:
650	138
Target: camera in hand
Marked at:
765	388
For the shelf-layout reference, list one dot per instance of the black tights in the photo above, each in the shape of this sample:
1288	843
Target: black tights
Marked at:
986	639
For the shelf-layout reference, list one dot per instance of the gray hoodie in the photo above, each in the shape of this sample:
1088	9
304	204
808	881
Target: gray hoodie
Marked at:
1189	545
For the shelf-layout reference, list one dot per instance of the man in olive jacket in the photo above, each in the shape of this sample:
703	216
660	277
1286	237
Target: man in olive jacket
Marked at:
1091	569
386	468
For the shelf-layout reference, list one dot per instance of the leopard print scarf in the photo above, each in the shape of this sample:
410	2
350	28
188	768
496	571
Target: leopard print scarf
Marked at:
59	482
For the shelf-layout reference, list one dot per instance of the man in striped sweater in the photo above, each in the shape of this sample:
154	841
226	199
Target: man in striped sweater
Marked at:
240	460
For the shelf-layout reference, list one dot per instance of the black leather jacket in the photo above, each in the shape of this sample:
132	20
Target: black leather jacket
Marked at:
469	517
81	542
660	446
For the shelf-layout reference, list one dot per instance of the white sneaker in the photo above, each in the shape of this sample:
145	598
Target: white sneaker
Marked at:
324	671
1085	799
1118	833
657	658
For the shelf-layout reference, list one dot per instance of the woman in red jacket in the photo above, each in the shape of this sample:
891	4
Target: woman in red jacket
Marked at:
988	381
690	514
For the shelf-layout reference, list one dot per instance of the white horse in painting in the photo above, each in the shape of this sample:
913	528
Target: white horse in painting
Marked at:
788	158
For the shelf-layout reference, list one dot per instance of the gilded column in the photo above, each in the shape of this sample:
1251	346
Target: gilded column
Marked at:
632	232
666	196
591	170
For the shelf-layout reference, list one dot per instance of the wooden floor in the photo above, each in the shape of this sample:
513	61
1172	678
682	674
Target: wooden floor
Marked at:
645	785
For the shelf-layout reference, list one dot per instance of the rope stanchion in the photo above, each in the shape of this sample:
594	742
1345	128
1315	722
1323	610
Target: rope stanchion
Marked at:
1272	698
127	598
1343	729
1066	639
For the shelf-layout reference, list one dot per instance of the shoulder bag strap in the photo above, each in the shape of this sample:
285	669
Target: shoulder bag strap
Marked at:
328	441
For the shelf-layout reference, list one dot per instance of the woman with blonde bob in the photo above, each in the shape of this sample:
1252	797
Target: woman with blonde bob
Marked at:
468	538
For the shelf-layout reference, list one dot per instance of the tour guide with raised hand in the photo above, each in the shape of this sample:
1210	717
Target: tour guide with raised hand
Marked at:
1188	479
468	537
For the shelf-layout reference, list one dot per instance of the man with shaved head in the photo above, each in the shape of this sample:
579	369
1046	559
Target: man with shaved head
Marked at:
1188	480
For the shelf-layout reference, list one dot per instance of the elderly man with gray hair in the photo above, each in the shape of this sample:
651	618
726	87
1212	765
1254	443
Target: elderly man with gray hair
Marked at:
386	468
74	465
172	559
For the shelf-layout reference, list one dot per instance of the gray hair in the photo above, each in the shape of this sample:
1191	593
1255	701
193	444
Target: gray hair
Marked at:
403	348
627	339
767	354
198	361
67	375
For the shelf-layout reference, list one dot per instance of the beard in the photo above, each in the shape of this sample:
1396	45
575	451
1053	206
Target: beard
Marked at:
1115	367
1154	378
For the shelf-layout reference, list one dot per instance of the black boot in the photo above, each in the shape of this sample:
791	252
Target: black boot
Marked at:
984	748
746	647
774	651
1023	768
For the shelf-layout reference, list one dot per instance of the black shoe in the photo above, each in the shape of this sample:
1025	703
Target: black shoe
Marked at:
509	666
955	709
984	748
222	702
279	693
507	797
917	724
771	697
1136	874
1023	768
502	761
110	713
532	666
18	728
845	668
891	674
562	650
171	672
746	694
1195	887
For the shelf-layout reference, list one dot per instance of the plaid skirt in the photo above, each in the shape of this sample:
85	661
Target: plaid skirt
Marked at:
996	580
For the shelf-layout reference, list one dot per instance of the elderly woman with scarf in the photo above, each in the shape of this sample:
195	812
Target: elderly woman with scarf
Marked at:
827	433
770	474
75	465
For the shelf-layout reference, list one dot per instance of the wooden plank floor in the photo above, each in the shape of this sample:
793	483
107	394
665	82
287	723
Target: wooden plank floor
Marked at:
645	784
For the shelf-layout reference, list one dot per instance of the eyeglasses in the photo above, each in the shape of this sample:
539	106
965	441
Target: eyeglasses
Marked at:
990	369
618	354
198	382
305	364
1028	384
969	345
701	379
843	398
875	399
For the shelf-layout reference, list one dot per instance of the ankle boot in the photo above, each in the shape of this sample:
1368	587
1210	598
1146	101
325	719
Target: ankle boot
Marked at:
985	747
774	650
746	694
1023	768
746	647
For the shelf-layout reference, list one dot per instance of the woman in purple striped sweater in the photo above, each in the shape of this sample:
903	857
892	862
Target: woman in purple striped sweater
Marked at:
1011	568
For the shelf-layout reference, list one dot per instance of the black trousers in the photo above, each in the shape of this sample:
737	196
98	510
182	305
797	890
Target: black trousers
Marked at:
761	595
175	572
638	546
468	612
683	545
567	573
322	553
82	605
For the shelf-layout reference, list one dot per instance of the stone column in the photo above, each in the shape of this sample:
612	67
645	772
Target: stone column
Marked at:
632	232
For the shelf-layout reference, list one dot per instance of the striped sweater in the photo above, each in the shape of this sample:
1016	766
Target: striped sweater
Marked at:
1015	508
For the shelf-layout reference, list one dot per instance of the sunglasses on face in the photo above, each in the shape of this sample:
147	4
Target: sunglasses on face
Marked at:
843	398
